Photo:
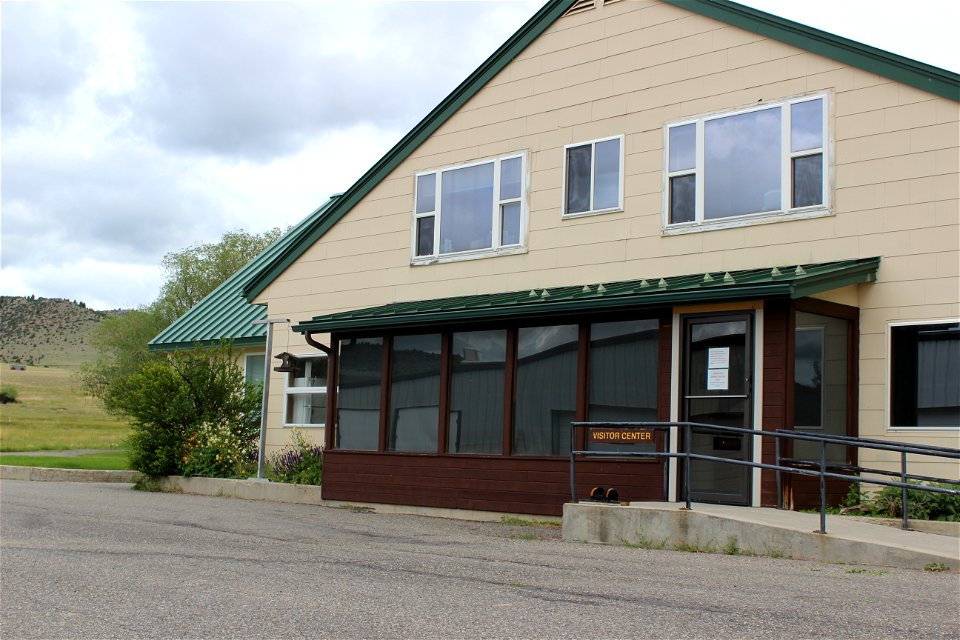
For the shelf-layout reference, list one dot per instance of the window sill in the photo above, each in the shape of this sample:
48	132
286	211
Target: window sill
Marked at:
746	221
916	429
422	261
588	214
304	426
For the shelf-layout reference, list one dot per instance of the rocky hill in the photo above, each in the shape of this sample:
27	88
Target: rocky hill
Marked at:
47	331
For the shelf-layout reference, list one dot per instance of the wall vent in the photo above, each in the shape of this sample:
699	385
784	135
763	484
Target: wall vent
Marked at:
579	7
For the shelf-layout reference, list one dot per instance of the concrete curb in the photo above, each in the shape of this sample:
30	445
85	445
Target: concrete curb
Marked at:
44	474
244	489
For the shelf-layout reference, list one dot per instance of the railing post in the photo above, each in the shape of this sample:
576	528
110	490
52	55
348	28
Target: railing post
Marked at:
903	490
573	485
776	449
823	487
686	464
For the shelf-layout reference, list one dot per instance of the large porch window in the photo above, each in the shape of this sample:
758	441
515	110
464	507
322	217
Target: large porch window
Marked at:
499	391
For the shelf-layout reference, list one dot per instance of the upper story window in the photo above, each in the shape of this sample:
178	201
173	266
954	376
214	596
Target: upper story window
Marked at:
925	375
593	177
306	393
759	162
473	209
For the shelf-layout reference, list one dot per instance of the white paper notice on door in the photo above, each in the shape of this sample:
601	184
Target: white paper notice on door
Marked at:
718	379
718	358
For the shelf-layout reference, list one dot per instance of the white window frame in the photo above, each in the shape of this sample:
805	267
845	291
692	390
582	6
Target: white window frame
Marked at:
888	399
786	211
593	176
496	247
289	391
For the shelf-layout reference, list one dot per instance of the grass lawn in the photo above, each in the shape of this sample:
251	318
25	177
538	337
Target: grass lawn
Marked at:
52	414
110	460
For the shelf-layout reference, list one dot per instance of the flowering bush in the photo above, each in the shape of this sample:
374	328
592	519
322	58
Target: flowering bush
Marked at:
300	462
191	413
216	450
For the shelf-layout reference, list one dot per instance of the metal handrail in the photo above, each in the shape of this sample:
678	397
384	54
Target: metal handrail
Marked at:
820	472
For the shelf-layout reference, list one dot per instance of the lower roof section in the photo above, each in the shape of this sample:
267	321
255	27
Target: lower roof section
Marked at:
788	281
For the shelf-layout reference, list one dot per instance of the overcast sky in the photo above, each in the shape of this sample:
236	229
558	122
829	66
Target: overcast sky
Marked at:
132	130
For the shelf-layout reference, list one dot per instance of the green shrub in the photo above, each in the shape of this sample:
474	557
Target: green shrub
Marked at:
921	505
8	393
300	462
191	414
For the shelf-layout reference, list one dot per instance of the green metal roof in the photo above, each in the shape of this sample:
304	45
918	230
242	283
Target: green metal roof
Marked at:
938	81
224	313
794	281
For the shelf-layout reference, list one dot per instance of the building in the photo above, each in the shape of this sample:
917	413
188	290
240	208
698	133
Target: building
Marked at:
633	210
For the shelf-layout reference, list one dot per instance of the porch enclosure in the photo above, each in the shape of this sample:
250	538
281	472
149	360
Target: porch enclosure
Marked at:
477	416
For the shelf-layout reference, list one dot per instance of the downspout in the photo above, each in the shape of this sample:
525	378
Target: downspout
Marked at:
308	336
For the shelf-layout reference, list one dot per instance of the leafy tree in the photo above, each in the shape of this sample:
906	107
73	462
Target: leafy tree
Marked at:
192	413
121	343
191	274
196	271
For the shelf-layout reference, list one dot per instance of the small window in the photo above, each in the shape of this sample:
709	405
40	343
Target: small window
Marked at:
253	369
925	375
306	393
593	177
471	209
764	161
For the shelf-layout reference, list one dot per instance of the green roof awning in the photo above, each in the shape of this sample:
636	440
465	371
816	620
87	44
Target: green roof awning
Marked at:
793	281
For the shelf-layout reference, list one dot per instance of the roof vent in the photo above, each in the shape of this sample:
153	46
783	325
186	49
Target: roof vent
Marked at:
579	7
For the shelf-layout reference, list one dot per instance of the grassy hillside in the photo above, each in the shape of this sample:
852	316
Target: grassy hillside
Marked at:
47	331
51	413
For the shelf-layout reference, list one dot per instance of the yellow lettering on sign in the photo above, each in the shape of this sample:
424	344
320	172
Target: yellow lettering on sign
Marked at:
625	437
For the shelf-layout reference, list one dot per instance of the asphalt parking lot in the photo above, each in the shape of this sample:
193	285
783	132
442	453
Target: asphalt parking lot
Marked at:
103	561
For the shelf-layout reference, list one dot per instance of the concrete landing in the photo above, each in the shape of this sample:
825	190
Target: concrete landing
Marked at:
766	532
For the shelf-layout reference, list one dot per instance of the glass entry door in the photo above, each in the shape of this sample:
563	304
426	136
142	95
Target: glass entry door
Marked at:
717	388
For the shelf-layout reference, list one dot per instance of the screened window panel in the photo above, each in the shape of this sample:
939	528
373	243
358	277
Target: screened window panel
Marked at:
477	367
623	376
510	223
546	384
425	236
808	180
414	393
578	179
358	394
683	198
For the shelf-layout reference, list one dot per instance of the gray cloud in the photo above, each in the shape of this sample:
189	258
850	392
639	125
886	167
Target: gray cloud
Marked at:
257	80
125	205
127	127
42	60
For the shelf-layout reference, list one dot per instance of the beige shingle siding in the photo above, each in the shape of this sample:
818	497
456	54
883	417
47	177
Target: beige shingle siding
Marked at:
629	68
